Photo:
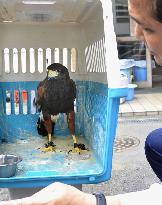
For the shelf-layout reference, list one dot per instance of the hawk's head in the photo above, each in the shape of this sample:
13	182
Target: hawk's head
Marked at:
57	70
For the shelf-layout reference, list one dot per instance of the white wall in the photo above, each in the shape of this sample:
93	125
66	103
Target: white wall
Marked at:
36	36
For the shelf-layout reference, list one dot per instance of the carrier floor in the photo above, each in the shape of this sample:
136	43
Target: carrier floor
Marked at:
60	163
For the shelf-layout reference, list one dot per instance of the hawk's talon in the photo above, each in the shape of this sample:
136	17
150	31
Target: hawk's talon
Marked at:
51	144
78	148
74	150
48	147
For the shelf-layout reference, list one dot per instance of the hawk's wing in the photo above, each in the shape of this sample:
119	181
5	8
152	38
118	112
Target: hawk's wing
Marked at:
40	95
73	88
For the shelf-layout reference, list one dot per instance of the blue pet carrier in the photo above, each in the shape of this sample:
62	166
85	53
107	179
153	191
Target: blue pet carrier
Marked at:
80	35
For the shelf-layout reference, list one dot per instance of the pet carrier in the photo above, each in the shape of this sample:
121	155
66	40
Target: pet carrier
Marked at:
80	35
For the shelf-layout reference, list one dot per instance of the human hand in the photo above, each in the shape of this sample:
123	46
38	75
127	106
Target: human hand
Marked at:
56	194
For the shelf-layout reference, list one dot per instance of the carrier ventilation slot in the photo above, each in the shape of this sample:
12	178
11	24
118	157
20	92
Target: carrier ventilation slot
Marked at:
32	60
19	102
95	56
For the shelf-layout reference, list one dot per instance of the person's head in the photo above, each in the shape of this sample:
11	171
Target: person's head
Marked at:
148	17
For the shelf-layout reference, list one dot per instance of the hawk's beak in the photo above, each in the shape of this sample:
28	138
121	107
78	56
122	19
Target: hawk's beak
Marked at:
53	74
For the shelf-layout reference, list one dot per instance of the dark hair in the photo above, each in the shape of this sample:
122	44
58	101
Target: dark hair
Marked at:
157	10
154	6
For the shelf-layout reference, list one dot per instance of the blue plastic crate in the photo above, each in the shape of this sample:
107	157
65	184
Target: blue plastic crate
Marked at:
96	119
140	71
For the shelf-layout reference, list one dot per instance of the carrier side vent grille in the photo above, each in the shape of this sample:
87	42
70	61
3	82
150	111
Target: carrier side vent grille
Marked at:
40	17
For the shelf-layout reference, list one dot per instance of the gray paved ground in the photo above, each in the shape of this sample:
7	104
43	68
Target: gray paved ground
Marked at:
130	171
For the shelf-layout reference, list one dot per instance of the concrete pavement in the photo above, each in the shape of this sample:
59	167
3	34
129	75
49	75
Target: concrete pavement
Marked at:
131	171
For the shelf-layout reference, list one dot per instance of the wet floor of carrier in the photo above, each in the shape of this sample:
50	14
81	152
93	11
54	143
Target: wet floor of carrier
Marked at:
35	163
